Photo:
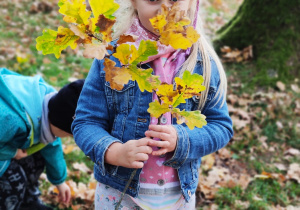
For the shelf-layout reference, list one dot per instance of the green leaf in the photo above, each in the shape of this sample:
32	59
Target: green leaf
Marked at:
144	78
146	49
156	109
128	54
190	85
54	42
191	118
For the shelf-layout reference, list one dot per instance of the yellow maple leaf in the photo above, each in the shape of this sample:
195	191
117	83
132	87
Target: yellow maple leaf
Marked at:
171	25
75	11
191	118
156	109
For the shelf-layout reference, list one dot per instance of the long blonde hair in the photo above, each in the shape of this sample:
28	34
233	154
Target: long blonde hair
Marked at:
125	16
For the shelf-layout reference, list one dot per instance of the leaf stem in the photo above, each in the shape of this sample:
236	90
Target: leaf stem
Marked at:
125	189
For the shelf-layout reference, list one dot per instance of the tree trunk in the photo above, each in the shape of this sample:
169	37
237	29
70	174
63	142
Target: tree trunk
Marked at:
272	27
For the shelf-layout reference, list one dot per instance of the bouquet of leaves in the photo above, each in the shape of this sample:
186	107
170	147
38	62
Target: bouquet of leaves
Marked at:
92	30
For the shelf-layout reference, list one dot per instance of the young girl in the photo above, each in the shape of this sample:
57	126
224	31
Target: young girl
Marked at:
115	130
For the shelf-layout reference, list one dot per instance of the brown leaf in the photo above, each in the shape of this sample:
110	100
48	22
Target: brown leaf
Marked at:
295	88
94	51
280	85
105	27
207	162
68	149
126	38
294	172
280	166
81	167
292	152
112	73
224	153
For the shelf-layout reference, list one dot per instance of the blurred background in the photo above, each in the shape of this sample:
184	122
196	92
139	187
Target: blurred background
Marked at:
259	44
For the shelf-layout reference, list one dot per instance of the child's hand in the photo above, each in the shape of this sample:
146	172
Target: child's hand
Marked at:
168	136
64	192
21	153
130	154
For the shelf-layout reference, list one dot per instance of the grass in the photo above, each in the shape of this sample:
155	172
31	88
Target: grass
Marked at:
260	194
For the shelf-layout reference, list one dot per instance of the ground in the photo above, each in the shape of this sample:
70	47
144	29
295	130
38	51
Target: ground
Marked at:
258	169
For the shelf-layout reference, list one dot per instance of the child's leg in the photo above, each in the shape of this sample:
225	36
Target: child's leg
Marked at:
33	167
12	187
106	198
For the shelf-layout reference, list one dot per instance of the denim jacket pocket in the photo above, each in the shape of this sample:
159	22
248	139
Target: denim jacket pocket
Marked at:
120	102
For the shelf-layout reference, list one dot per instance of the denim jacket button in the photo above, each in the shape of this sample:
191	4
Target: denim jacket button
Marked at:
189	193
163	120
160	182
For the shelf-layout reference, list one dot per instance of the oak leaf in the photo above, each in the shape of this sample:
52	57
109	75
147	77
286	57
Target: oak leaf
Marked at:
74	11
190	85
190	118
104	7
95	50
166	93
126	38
156	109
144	78
128	54
172	25
55	41
111	71
105	27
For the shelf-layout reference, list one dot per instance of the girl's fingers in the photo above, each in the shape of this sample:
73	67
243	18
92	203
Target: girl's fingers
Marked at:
155	134
162	144
160	128
141	157
160	152
144	149
137	164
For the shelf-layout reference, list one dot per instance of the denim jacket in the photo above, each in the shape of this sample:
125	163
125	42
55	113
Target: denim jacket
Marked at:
105	116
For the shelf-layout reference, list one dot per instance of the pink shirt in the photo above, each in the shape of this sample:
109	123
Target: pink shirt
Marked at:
154	172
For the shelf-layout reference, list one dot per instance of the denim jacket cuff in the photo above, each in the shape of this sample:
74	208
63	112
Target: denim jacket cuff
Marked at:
100	149
182	149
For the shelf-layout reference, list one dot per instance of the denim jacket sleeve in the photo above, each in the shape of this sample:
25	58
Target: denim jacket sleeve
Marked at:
91	124
196	143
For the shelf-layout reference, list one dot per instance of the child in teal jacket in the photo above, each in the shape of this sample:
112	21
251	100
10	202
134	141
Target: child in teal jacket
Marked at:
33	115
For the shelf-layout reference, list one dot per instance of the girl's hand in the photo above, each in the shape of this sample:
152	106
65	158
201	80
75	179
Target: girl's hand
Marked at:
64	192
21	153
130	154
168	136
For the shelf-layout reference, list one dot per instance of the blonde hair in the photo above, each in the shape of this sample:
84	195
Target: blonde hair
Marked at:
125	16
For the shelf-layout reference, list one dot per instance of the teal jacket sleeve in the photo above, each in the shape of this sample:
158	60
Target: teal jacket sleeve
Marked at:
56	168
